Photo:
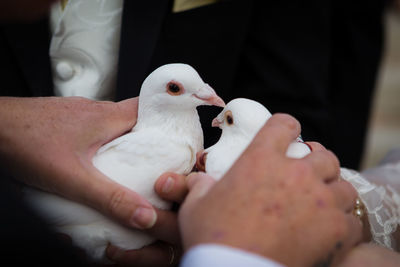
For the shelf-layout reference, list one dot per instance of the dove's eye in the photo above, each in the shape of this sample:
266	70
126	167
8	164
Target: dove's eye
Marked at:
174	88
229	117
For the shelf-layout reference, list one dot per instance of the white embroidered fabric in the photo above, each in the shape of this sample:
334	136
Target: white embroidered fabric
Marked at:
379	190
84	47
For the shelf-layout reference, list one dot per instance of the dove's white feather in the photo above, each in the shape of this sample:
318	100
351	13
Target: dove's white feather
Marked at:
248	117
138	158
166	137
222	155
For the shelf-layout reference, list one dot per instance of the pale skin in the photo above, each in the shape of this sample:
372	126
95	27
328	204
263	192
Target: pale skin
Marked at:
70	174
54	139
293	211
64	133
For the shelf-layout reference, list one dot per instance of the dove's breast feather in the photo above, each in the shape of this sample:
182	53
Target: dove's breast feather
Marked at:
137	159
222	155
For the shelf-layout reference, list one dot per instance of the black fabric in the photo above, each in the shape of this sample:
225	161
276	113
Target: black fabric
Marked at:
26	239
316	60
141	24
24	59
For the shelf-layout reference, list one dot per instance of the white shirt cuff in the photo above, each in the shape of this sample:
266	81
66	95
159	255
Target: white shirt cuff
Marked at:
211	255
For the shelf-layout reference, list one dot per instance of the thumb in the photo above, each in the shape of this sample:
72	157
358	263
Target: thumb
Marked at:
128	110
198	184
120	203
121	116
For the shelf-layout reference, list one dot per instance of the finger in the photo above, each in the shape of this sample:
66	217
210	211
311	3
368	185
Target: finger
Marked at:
345	195
120	203
166	227
172	187
158	254
325	164
315	146
115	118
276	135
123	114
353	238
198	185
128	109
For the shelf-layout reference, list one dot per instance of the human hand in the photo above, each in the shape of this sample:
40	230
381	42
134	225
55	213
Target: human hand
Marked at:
49	143
167	251
294	211
370	255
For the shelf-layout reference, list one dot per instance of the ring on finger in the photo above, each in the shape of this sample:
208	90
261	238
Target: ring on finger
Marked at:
171	254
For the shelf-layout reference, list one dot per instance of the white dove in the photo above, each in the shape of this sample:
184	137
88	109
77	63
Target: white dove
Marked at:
240	121
166	137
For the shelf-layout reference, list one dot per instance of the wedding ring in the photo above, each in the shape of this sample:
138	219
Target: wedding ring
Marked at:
359	209
172	255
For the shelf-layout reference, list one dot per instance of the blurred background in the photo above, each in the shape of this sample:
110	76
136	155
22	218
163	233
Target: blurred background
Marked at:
384	131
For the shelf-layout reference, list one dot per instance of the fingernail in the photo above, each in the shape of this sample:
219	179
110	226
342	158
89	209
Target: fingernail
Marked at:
144	218
168	184
114	253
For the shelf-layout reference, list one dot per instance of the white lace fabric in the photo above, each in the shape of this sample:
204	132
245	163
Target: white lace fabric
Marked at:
379	190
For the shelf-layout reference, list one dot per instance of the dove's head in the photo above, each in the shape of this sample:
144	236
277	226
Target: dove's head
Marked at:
242	116
177	86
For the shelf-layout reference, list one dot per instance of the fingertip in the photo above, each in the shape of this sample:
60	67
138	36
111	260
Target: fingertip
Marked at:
127	110
315	146
171	186
124	205
195	177
276	135
144	218
285	120
160	185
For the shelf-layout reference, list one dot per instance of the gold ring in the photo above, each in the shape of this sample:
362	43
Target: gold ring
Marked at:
359	209
172	254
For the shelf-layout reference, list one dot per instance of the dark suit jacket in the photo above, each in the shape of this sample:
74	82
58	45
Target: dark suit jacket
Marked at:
316	60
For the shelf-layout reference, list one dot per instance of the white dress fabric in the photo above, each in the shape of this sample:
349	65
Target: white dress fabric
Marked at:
84	48
379	190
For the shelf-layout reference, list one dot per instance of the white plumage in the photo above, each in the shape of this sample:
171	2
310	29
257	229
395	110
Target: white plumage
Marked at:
240	121
166	137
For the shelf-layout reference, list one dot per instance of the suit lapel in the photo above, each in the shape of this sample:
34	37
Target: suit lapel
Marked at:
141	25
30	46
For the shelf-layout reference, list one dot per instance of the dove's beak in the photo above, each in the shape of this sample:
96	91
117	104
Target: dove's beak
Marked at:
215	122
208	95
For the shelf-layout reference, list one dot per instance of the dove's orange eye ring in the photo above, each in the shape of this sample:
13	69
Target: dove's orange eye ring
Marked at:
175	88
229	117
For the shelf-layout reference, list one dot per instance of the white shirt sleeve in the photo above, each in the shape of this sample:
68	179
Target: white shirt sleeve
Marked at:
211	255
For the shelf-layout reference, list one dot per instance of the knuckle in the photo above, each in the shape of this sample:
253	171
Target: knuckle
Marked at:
316	146
286	120
335	161
115	202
